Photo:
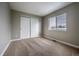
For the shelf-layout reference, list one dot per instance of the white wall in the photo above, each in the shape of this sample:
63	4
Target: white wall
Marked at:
4	25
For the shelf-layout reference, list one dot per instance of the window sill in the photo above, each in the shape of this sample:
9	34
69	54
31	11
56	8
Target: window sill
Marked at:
59	29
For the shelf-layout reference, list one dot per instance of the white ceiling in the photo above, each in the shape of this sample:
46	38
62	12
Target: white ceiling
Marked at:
38	8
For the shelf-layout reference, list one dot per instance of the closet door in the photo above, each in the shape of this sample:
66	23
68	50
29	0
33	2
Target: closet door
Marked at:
35	27
25	27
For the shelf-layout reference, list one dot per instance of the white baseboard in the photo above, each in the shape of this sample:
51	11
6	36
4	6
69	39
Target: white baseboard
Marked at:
15	40
63	42
22	39
72	45
6	47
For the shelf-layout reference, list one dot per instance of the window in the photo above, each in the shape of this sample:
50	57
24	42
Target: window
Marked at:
52	23
61	22
58	22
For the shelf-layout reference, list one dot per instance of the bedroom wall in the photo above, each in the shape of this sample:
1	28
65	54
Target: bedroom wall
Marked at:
4	25
72	34
15	21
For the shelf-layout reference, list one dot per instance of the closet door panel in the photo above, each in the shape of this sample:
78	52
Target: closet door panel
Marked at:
25	27
35	27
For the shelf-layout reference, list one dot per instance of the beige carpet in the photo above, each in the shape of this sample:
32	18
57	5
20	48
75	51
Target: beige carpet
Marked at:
39	47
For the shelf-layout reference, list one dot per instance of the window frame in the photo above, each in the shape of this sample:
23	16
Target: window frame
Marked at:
57	28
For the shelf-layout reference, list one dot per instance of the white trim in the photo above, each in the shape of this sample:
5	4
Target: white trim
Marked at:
6	47
15	40
22	39
75	46
63	42
68	44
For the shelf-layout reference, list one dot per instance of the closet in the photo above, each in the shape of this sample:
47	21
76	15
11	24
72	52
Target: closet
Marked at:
29	27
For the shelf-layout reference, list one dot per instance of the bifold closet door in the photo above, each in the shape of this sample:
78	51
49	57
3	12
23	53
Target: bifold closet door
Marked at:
25	27
35	28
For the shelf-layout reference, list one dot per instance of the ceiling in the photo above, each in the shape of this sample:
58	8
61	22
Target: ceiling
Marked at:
38	8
